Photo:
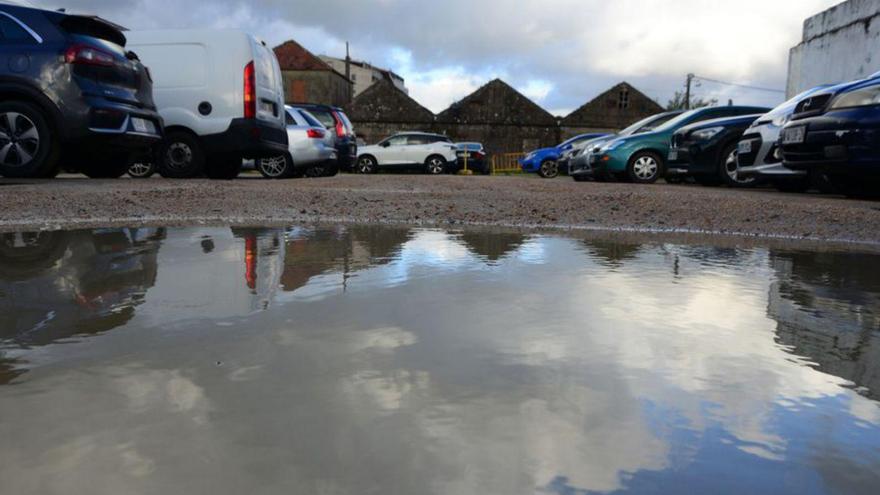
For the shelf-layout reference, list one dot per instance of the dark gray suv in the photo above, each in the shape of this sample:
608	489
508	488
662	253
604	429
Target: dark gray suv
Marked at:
71	96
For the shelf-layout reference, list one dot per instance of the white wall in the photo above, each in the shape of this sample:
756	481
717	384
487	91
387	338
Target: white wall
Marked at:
840	44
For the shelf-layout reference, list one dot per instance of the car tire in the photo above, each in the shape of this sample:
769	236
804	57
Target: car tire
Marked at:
331	169
109	166
277	167
856	187
140	168
435	165
548	169
727	169
181	156
366	165
645	167
222	167
34	137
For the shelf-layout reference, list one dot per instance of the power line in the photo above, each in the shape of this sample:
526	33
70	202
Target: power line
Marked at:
756	88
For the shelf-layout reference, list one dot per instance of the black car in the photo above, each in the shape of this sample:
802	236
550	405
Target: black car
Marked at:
474	155
72	95
836	133
707	150
335	120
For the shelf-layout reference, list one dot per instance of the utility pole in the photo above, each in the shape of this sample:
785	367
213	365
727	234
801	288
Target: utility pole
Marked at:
687	91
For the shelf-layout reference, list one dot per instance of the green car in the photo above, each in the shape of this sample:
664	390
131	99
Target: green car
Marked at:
642	158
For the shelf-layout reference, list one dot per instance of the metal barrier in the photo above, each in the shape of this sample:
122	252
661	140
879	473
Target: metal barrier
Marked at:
506	162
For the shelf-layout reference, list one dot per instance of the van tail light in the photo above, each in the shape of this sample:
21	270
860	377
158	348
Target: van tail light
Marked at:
340	127
315	133
88	55
250	92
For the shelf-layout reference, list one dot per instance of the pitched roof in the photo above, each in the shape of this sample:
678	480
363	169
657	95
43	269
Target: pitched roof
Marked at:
385	102
292	56
603	110
497	103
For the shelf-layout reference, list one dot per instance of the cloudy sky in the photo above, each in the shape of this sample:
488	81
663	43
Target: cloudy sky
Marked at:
560	53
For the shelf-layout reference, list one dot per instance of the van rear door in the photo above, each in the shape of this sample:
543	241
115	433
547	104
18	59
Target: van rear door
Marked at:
270	92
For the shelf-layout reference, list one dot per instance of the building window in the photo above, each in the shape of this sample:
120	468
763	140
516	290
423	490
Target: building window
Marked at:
354	77
623	99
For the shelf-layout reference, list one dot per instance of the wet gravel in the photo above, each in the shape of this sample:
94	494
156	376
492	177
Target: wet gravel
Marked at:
519	202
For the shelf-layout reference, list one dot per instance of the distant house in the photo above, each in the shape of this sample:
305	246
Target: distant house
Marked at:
308	79
363	74
612	110
383	109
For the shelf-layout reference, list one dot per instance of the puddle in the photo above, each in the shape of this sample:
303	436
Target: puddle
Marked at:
383	360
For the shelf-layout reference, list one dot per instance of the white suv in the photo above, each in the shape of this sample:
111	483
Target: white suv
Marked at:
432	152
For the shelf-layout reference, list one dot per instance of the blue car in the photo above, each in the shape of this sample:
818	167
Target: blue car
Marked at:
837	133
544	161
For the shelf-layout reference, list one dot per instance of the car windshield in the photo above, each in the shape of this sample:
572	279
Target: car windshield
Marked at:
576	140
649	123
678	121
788	107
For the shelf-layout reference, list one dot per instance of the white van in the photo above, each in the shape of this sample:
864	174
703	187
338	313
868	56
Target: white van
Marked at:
220	93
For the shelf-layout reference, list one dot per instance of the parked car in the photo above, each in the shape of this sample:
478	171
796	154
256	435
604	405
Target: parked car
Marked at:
707	150
311	149
335	119
433	153
220	94
836	132
641	158
579	166
475	155
545	161
72	96
758	153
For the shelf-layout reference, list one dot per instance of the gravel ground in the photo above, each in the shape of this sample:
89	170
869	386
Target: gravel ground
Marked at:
519	202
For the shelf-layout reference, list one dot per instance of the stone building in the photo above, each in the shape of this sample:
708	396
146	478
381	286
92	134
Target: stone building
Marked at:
613	110
308	79
363	74
839	44
383	109
501	118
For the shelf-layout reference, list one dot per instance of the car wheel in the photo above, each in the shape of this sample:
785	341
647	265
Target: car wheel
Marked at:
109	166
141	168
856	188
28	146
181	156
276	167
224	167
548	169
366	165
331	169
727	169
645	167
435	165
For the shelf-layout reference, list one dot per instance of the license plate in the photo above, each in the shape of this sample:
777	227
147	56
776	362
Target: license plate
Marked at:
794	135
744	147
673	155
140	125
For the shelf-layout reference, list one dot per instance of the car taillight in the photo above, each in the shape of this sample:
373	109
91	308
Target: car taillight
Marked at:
340	127
250	92
315	133
88	55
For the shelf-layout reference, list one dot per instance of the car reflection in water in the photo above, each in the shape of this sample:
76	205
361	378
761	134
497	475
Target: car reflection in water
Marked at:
59	285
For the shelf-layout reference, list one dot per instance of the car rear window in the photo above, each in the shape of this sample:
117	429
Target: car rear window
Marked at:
92	27
310	118
325	117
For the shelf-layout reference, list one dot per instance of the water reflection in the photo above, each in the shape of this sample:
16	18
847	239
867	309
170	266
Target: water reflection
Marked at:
372	360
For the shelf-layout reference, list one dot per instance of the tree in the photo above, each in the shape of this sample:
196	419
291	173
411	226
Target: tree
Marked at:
678	102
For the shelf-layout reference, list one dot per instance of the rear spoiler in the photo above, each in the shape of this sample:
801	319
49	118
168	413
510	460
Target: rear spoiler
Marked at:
94	26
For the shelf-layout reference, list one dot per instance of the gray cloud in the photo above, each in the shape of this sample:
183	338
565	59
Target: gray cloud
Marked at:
575	48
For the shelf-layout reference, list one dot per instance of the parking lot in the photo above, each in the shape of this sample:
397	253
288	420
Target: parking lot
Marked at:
518	201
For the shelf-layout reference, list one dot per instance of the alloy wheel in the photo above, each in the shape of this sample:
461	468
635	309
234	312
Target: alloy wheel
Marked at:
19	139
549	169
646	167
140	169
731	167
274	167
436	166
365	166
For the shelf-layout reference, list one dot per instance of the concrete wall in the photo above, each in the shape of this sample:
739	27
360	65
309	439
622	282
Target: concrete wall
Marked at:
839	44
324	87
502	138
